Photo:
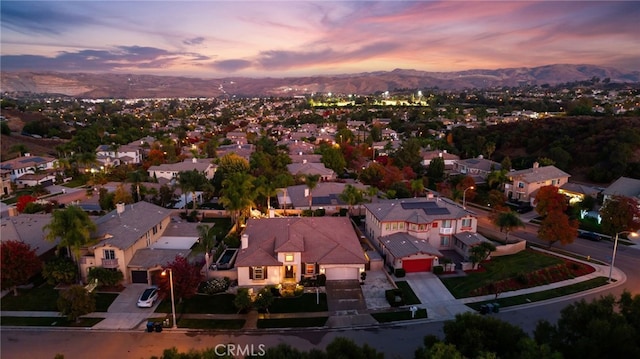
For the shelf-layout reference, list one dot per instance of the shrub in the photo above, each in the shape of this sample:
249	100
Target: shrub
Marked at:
60	270
343	212
320	212
232	241
522	278
321	280
399	272
105	276
216	285
438	269
307	213
394	297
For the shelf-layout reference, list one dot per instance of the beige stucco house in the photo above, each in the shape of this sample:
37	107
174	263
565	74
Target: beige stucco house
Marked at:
523	184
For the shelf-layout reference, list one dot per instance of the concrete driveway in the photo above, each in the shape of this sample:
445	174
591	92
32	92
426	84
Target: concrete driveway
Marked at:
440	304
345	296
124	313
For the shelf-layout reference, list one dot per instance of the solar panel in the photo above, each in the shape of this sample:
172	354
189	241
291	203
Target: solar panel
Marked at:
436	211
429	208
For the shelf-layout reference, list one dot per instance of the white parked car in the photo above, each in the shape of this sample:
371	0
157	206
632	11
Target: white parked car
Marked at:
148	297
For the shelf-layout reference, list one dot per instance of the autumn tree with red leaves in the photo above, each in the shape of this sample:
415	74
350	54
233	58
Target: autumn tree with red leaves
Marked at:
556	225
19	263
549	200
23	201
186	278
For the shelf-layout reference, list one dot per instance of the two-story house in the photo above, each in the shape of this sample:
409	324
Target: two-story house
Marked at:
169	171
27	164
477	168
411	232
120	234
522	185
283	250
109	155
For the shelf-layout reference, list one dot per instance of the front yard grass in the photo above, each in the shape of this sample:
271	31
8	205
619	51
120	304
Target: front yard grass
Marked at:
42	298
48	322
544	295
292	322
304	303
498	269
410	297
104	300
385	317
201	304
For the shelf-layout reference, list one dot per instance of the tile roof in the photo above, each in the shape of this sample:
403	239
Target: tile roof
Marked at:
538	174
416	210
323	240
470	238
309	168
150	257
123	230
402	245
624	186
28	228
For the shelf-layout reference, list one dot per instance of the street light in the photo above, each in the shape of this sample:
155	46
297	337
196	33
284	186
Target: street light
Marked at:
464	196
615	248
173	302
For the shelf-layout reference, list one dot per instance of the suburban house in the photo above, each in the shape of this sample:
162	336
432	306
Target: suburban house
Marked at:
169	171
311	168
5	182
242	150
522	185
625	187
27	164
283	250
449	158
28	228
110	156
120	234
410	233
326	195
477	168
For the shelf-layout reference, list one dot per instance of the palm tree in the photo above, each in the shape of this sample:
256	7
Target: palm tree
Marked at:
311	181
417	186
351	196
207	237
73	226
191	181
136	177
266	188
507	221
237	194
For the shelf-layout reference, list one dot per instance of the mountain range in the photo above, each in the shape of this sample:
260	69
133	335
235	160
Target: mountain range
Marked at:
103	85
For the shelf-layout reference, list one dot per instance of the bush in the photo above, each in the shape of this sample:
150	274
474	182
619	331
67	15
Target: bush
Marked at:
216	285
106	277
60	270
394	297
343	212
522	278
321	280
232	241
320	212
399	272
307	213
438	269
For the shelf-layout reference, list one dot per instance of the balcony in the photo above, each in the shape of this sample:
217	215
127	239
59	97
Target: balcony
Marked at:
110	263
446	230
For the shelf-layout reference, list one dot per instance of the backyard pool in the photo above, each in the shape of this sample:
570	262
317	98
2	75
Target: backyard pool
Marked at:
227	258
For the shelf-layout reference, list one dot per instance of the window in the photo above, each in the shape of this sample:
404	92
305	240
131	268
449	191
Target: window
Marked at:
401	225
444	240
446	223
394	225
155	229
257	273
434	225
520	184
466	222
310	268
109	254
288	257
387	226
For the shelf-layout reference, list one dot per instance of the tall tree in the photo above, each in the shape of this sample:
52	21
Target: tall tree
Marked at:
417	186
549	200
192	181
480	252
558	227
311	181
207	238
435	171
620	214
73	227
19	263
351	196
507	221
186	278
237	194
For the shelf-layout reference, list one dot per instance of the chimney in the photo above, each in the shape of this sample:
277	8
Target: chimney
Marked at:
194	160
306	192
244	241
429	195
120	208
536	165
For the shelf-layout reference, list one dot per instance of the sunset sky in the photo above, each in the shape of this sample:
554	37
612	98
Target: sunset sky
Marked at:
295	38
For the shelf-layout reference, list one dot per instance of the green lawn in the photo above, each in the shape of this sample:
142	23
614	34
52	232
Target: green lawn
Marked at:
410	298
201	304
42	298
292	322
303	303
497	269
48	322
104	300
231	324
386	317
544	295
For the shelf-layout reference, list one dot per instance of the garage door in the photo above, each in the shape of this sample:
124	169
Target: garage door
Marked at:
417	265
139	276
341	273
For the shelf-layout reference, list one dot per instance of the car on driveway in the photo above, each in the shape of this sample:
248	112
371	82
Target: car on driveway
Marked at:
148	297
590	236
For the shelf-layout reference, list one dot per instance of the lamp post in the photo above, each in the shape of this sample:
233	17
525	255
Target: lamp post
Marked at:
173	302
464	196
615	248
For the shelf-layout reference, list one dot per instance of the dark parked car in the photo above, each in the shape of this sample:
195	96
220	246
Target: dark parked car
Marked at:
590	236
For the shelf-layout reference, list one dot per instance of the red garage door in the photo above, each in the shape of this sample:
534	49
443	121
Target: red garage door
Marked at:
417	265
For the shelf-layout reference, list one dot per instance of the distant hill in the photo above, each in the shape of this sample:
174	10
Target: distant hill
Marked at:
148	86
